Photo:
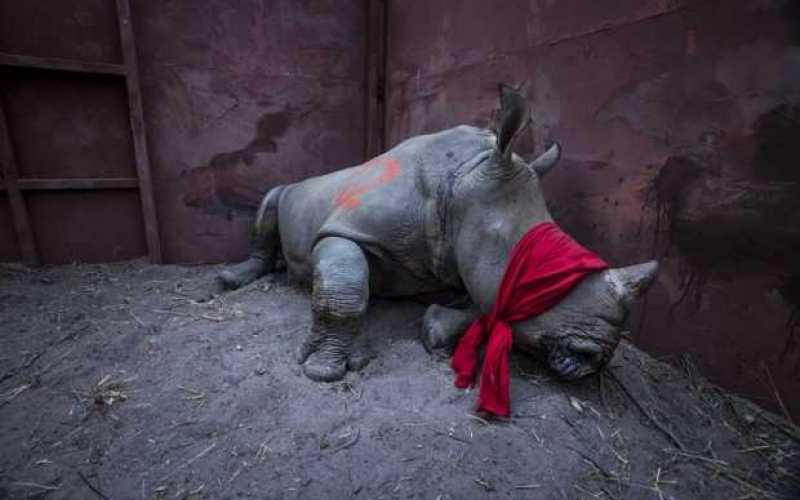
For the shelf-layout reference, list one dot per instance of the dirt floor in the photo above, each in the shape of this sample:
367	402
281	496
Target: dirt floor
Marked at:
135	381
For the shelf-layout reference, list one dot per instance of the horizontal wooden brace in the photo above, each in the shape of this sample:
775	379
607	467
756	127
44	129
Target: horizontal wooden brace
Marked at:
68	184
57	64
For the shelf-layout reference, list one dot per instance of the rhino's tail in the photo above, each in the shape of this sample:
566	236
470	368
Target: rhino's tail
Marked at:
264	237
264	245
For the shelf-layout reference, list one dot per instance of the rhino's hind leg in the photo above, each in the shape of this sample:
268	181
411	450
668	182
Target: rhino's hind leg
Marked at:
264	245
241	274
442	327
338	301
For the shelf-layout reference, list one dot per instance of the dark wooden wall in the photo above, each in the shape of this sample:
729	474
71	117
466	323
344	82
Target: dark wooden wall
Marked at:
238	97
241	96
75	169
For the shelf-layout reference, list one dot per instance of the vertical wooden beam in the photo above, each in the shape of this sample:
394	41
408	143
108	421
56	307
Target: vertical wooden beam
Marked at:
19	212
375	122
387	80
138	131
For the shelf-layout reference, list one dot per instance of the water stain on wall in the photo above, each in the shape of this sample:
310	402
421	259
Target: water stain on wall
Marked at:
668	193
233	180
723	225
718	218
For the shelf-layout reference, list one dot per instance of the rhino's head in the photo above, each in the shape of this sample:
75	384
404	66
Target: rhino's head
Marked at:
494	204
579	335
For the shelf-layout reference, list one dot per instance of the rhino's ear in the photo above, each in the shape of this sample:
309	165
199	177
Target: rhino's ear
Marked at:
513	116
629	283
546	160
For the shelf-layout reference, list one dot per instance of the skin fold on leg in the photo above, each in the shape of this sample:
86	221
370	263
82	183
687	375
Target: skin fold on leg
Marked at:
339	299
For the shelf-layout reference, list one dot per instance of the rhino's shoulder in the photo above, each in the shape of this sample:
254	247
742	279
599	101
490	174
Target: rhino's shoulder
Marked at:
450	146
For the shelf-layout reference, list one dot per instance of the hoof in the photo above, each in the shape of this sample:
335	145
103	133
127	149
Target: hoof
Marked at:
320	369
359	359
432	336
229	280
242	274
304	351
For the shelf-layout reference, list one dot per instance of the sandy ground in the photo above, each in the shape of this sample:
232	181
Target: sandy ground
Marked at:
135	381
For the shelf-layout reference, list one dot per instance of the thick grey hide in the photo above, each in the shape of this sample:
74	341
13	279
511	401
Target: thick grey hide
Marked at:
436	215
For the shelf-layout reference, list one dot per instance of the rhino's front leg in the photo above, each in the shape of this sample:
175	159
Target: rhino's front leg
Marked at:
339	299
442	327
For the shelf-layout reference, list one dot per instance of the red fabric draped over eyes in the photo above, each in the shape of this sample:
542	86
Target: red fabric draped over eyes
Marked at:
545	265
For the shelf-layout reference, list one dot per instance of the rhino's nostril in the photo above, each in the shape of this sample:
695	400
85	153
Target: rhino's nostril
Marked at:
567	365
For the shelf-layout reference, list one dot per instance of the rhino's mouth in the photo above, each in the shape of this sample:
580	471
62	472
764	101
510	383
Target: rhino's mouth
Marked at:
571	352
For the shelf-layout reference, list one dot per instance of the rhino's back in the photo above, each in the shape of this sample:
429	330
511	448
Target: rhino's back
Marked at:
383	204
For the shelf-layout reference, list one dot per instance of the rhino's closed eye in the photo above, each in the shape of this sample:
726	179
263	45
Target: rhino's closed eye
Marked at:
593	359
586	347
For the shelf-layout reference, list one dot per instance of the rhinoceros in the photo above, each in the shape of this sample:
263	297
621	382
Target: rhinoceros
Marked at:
437	213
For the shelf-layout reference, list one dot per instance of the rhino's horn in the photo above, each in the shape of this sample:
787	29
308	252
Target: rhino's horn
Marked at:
512	117
630	282
546	160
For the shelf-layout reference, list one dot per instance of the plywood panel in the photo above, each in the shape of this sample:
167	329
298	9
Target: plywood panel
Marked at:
73	29
87	226
240	97
68	126
9	249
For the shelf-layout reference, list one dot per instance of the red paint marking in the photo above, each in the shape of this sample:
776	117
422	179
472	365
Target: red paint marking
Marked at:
365	180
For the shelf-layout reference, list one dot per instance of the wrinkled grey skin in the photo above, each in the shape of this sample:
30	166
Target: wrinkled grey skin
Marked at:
445	218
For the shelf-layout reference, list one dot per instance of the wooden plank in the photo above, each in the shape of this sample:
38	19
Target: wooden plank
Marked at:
375	122
83	183
138	132
19	212
56	64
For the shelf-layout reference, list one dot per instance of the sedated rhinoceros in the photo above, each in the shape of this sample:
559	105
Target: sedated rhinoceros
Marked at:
438	212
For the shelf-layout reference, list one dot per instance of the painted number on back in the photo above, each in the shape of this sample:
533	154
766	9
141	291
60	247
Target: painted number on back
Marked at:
372	174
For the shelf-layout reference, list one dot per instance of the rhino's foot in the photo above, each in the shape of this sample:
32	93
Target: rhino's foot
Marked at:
307	348
322	366
325	354
359	358
243	273
442	327
304	351
339	298
432	336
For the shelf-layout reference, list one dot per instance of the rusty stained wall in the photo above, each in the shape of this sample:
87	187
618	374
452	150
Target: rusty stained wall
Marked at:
680	123
240	97
69	126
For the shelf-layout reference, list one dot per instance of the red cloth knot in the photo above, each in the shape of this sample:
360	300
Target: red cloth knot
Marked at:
545	265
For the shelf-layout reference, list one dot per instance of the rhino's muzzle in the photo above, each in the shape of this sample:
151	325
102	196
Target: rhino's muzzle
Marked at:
570	364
